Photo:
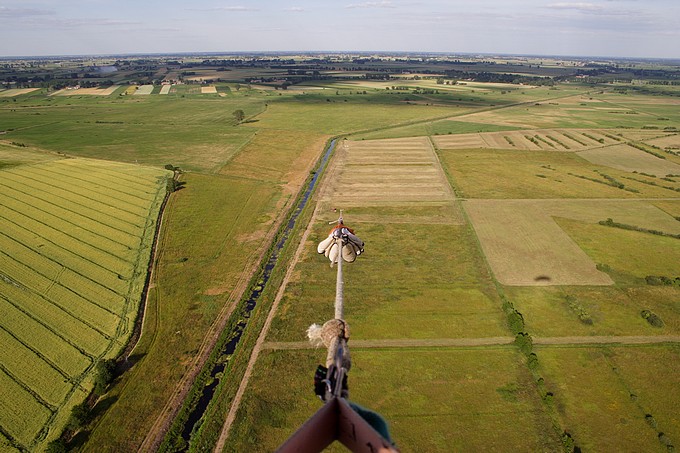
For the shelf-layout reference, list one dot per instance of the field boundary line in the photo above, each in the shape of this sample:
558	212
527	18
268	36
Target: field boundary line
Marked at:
482	342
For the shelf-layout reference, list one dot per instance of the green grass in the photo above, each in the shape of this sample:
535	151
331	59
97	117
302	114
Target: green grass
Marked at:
231	214
12	155
432	399
193	133
650	375
614	311
442	127
488	173
632	253
602	404
317	115
427	279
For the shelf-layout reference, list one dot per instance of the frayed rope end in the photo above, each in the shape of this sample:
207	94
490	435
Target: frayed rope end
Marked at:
315	335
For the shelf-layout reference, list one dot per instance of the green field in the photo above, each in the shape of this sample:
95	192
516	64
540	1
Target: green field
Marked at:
433	399
76	237
615	389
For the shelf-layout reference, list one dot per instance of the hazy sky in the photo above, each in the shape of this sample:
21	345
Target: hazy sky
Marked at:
622	28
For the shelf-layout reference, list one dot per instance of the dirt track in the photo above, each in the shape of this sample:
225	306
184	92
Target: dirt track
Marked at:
259	345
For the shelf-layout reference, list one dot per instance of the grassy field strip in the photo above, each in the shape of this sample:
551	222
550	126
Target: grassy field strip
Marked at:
670	141
89	289
123	203
61	203
21	415
35	373
396	171
165	89
111	182
534	250
538	139
57	252
85	338
628	395
627	158
111	207
84	310
131	199
529	251
61	354
63	257
48	219
144	90
99	255
87	91
78	202
95	225
123	172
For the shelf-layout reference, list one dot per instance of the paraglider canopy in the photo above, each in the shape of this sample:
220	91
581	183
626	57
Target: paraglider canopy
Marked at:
342	238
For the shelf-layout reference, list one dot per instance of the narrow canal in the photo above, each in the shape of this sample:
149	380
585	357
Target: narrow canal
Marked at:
237	331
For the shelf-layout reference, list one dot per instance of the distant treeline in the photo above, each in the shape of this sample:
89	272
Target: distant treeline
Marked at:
500	77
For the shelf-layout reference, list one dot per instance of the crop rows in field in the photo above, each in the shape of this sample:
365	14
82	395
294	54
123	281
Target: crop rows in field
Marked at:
394	173
87	91
544	140
628	158
75	240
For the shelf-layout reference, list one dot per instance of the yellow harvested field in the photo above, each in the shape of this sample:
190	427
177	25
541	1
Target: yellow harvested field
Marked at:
669	141
87	91
165	89
144	90
391	173
541	139
208	90
461	141
627	158
526	247
16	92
640	135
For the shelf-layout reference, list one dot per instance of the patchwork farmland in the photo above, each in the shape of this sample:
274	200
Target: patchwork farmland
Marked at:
519	289
422	294
75	241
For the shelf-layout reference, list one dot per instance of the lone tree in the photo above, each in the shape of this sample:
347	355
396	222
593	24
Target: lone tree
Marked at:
239	115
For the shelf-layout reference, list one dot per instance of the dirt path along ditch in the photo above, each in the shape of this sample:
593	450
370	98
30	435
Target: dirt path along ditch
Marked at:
208	391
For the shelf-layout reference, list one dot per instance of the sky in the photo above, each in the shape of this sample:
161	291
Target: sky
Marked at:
614	28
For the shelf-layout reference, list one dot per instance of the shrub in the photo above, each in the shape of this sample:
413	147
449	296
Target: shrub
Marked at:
651	421
515	322
568	442
524	343
652	318
603	267
532	361
105	374
56	446
80	415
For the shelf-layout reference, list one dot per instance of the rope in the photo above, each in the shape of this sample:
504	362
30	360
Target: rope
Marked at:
341	245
